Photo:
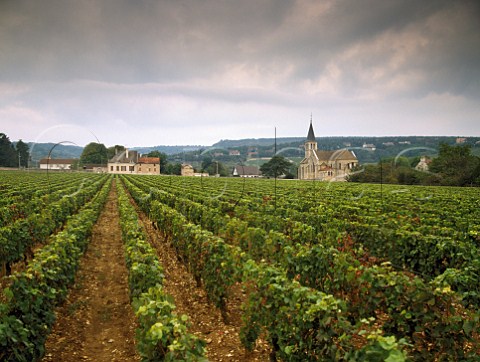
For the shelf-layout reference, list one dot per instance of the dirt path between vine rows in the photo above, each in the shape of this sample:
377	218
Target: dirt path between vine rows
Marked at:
96	323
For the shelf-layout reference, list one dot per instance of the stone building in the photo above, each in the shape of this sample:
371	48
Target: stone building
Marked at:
423	164
325	165
148	166
123	162
187	170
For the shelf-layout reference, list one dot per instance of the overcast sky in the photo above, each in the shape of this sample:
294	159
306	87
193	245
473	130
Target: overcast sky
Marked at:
144	73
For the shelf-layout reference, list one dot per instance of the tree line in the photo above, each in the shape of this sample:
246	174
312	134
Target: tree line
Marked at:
453	166
11	155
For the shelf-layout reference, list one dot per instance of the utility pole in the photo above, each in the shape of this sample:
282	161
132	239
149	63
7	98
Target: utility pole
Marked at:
276	170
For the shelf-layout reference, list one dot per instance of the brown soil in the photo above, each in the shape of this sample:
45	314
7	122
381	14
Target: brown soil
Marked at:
96	323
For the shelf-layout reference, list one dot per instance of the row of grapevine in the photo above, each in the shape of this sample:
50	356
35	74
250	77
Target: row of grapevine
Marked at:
162	334
27	314
301	323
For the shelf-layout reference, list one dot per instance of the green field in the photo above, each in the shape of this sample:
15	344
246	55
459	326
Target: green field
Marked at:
330	271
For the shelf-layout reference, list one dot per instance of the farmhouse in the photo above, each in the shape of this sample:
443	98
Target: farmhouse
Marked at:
325	165
246	171
63	164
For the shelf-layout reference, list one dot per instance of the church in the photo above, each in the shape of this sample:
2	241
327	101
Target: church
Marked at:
325	165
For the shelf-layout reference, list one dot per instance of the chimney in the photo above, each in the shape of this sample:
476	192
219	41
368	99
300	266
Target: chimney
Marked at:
126	150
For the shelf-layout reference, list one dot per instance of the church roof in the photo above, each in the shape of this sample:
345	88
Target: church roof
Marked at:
337	155
311	134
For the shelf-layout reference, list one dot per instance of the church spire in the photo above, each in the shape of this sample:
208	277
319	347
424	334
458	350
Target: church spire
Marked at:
311	142
311	134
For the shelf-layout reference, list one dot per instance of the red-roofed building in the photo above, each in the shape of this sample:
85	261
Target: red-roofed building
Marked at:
148	166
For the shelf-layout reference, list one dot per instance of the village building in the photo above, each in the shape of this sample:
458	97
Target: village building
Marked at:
246	171
187	170
369	146
59	164
148	166
129	162
424	163
325	165
123	162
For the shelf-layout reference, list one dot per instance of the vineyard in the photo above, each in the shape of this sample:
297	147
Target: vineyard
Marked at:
317	271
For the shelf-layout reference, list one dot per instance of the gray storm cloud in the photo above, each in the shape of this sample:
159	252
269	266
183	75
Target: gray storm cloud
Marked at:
167	63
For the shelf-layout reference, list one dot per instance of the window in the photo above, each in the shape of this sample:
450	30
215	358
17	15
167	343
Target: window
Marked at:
131	168
111	168
117	168
124	168
154	169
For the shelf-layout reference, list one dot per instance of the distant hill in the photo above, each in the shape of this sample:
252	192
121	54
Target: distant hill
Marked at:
169	150
335	142
382	147
254	142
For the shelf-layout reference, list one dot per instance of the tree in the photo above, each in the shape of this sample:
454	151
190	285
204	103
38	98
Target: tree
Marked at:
206	162
8	155
277	166
111	151
23	153
95	153
163	159
216	167
213	167
173	169
456	165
